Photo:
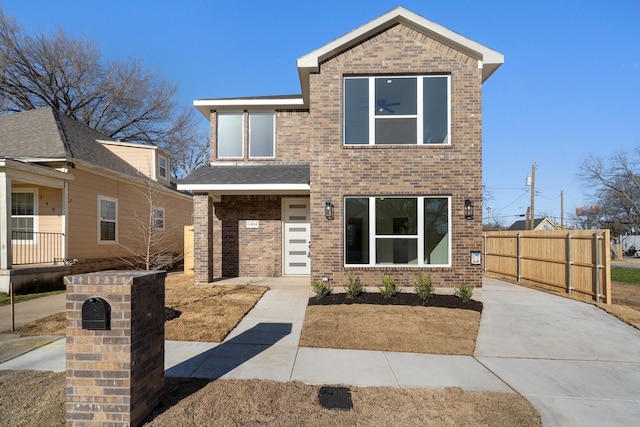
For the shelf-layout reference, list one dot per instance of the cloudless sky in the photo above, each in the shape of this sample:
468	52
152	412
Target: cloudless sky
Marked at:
569	87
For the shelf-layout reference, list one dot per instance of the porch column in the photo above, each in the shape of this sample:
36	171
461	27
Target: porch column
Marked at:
203	238
5	221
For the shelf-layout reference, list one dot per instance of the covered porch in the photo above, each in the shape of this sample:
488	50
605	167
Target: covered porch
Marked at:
33	224
250	220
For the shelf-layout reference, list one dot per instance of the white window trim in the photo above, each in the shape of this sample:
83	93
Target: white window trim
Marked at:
419	116
158	209
273	138
166	166
36	204
419	236
242	143
108	199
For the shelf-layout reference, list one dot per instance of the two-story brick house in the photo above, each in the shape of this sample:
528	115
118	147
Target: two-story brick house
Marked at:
376	168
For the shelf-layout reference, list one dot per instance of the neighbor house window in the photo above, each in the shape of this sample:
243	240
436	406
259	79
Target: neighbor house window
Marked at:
162	166
261	134
158	218
23	215
411	231
107	219
397	110
230	135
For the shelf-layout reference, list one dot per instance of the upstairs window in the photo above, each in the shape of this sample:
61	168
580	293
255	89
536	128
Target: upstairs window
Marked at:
261	134
162	166
260	128
230	136
397	110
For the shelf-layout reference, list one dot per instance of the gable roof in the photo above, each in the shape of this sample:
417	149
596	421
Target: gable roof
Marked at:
48	135
489	59
522	224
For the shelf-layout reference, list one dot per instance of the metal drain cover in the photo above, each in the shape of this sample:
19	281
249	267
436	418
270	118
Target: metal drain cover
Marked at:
335	398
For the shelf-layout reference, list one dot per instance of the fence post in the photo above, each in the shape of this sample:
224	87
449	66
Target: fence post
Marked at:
569	264
484	258
596	268
519	257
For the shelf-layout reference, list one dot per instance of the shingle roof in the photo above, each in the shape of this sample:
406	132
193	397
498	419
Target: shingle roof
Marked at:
48	134
247	174
522	224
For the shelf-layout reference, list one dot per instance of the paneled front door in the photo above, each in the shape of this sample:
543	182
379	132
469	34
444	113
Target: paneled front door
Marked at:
296	249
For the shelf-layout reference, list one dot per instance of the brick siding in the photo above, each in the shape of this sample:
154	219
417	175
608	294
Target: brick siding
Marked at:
115	377
338	171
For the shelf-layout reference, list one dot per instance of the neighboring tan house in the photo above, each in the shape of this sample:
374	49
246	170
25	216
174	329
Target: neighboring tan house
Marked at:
375	169
72	200
538	224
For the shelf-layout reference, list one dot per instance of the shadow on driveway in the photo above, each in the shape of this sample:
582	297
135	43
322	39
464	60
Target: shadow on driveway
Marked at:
216	362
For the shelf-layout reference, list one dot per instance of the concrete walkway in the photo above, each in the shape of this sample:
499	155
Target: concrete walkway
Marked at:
576	364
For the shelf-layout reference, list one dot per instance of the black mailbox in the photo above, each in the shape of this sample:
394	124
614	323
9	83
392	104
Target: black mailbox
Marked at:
96	314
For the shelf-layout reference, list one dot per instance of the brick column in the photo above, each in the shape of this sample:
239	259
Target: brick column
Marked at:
115	377
202	236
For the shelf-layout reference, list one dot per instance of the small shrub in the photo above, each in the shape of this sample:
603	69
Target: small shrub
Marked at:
320	288
389	288
464	292
423	286
354	288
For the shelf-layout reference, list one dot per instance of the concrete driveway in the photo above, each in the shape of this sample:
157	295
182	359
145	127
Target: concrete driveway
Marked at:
578	365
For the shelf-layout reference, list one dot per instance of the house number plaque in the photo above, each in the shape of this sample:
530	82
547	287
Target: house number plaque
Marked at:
253	224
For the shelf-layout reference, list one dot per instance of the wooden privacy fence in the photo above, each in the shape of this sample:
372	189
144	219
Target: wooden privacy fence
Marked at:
188	250
576	262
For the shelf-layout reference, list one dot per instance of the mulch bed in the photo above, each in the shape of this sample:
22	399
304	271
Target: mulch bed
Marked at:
446	301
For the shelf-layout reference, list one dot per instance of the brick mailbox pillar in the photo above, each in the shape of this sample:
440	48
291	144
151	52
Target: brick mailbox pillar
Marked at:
115	347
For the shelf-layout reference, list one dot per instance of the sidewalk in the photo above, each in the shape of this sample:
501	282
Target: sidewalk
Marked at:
576	364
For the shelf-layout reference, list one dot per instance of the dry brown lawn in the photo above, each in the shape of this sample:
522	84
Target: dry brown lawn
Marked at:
30	398
432	330
208	313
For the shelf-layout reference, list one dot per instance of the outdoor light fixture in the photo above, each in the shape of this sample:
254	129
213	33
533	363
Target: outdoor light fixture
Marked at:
328	209
468	209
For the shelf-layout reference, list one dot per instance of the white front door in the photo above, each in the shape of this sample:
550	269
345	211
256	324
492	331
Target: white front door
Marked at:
296	256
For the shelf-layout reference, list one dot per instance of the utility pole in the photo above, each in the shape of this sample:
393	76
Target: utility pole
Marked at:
561	210
533	194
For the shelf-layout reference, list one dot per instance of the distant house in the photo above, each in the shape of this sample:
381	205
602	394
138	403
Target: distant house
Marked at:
71	199
538	224
373	170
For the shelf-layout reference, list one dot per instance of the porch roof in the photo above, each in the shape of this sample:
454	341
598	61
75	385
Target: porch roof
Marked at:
253	178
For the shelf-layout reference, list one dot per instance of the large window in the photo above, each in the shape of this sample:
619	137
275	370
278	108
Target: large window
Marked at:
396	110
397	231
261	134
107	219
230	133
23	215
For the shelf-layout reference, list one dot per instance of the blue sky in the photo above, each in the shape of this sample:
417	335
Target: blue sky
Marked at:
569	87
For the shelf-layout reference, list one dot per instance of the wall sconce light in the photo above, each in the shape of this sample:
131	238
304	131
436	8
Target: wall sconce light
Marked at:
468	209
328	209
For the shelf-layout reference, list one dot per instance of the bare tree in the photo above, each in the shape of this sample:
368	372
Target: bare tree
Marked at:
150	245
615	186
120	98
